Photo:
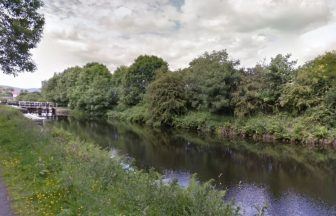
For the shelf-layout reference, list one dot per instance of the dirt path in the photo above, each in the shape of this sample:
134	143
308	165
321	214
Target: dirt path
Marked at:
5	209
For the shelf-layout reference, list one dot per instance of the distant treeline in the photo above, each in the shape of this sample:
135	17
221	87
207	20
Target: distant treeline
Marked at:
146	91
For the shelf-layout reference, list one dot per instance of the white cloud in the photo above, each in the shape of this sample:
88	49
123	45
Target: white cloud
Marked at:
116	32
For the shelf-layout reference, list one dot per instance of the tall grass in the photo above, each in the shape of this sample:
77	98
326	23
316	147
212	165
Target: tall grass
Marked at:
305	129
54	173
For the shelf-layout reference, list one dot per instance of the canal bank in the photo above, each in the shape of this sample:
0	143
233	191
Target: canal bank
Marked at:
67	175
280	128
290	180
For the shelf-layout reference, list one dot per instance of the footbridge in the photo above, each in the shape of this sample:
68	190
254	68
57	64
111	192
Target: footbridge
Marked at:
41	108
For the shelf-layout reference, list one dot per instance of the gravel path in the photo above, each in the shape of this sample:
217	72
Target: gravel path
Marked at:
5	209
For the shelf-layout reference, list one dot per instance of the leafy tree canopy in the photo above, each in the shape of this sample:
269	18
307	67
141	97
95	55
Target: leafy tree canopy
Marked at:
139	76
87	89
210	79
21	28
314	85
30	96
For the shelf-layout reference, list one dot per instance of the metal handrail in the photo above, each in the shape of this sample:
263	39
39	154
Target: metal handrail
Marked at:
35	104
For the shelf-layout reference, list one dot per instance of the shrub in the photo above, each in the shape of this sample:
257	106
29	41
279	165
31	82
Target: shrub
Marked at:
166	99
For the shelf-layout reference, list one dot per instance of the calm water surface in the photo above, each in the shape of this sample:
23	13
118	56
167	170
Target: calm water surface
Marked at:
285	178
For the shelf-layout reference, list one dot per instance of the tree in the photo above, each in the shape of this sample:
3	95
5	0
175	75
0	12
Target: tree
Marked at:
167	98
276	75
21	28
59	87
330	98
314	85
210	81
261	87
320	73
139	75
118	79
246	98
92	92
30	96
88	89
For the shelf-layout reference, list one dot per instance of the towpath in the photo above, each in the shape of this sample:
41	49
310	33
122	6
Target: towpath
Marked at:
5	209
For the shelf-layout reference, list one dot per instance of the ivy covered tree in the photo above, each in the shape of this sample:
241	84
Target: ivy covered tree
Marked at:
21	28
167	98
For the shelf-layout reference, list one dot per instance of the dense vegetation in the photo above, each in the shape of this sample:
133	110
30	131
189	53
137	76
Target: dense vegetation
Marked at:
85	89
30	96
6	93
54	173
21	27
278	99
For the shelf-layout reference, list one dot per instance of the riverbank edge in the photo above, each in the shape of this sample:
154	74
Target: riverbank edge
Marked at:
50	172
230	129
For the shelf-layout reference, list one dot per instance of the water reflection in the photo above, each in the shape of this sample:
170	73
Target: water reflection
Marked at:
182	178
255	174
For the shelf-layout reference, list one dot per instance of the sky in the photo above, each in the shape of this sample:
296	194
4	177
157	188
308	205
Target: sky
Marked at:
115	32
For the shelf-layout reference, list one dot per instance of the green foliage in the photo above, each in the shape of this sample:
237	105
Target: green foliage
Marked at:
247	97
138	77
319	73
136	114
279	72
30	96
68	176
167	98
210	80
297	98
203	121
87	89
92	92
262	86
59	87
21	28
206	94
118	79
314	86
330	98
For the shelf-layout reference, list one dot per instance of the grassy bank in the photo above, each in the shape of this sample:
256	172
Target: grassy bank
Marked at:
303	130
53	173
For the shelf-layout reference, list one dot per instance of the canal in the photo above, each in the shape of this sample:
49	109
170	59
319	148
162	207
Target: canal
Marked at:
289	180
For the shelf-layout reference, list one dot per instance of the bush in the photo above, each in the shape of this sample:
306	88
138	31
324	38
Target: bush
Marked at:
136	114
167	99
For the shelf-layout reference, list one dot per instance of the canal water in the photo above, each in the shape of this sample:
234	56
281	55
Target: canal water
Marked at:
288	180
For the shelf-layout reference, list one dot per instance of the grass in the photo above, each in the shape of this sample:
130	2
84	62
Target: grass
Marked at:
305	129
286	128
54	173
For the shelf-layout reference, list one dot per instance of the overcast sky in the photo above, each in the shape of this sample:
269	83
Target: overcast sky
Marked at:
114	32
